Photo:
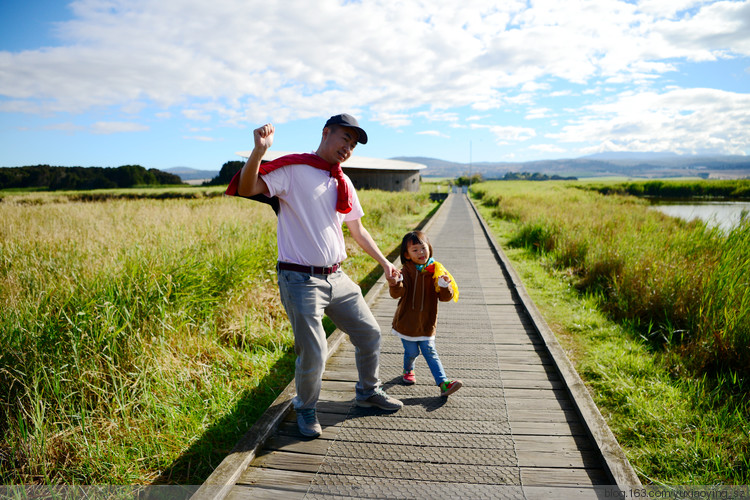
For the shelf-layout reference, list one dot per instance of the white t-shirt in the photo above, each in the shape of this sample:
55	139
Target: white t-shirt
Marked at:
309	227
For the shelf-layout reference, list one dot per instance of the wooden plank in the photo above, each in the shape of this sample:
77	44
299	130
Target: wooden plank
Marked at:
519	367
506	338
503	353
560	459
546	405
275	478
293	444
295	462
552	443
615	461
340	407
520	383
546	477
550	429
523	357
340	374
525	415
561	491
513	347
509	375
524	394
240	492
259	493
327	419
336	394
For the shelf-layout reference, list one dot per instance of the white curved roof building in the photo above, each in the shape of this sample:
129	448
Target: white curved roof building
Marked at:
372	173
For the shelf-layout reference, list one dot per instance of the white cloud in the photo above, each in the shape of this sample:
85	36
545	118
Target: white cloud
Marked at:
64	127
539	113
716	31
439	116
117	127
270	58
238	61
393	120
196	114
201	138
666	8
547	148
679	120
507	134
435	133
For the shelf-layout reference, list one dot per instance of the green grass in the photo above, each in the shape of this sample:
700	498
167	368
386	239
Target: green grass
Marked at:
679	419
143	335
36	196
681	284
679	189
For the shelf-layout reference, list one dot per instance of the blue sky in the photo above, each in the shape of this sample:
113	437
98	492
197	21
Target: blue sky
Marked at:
165	83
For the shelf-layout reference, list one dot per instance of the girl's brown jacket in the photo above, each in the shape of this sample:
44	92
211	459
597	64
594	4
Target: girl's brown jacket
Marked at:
416	313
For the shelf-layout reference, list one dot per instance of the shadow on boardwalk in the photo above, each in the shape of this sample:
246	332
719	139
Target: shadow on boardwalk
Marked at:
522	426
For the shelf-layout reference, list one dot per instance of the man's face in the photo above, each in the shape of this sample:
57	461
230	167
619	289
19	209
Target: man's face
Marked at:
337	144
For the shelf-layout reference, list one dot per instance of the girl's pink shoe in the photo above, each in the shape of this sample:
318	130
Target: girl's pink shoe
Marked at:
409	378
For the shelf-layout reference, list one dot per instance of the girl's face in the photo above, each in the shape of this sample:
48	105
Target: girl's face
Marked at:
418	253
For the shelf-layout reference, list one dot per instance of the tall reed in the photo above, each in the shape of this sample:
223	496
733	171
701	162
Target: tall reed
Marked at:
131	329
679	189
684	285
667	363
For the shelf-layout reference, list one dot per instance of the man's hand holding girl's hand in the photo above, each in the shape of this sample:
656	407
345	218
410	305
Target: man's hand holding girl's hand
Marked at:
395	278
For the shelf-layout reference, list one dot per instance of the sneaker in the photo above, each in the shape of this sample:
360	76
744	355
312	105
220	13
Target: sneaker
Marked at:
308	423
449	387
409	378
380	400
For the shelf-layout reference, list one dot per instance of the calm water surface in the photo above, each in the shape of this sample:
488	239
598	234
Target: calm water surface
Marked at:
725	214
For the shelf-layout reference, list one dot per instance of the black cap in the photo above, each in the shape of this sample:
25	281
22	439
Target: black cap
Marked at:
346	120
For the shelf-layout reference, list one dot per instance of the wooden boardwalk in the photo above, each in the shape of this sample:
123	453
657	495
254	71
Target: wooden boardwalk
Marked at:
523	425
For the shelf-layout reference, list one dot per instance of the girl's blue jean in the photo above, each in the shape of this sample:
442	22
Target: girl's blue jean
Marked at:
411	351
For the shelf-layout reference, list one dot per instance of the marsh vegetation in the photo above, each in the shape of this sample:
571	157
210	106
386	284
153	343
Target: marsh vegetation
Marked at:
654	311
141	330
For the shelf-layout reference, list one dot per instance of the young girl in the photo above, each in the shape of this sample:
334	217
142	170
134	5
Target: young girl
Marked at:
423	282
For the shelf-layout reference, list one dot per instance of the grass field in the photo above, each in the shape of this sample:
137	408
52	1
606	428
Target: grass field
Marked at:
141	330
142	334
654	313
677	188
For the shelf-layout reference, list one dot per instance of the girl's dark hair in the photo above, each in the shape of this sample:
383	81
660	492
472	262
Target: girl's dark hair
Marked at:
415	238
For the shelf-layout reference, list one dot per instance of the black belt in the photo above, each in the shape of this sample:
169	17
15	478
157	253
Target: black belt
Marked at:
288	266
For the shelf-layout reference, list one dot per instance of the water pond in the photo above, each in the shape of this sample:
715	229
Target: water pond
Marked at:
725	214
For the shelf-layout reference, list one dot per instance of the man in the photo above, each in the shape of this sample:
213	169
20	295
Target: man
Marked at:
315	198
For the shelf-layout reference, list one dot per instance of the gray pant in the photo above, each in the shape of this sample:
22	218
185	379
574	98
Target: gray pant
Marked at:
306	298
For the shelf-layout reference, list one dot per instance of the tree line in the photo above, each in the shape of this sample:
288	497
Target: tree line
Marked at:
80	178
536	176
468	180
228	170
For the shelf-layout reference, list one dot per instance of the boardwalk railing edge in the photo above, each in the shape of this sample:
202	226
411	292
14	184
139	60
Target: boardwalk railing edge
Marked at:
221	481
617	464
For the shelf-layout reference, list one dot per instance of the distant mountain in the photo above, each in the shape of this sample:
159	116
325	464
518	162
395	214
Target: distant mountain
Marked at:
645	165
191	174
628	155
